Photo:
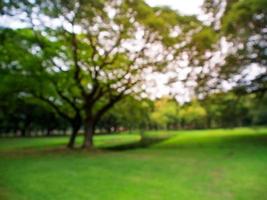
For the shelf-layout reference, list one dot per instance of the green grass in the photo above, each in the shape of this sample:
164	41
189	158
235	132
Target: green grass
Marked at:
191	165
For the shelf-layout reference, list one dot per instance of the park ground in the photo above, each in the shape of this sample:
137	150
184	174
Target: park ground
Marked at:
187	165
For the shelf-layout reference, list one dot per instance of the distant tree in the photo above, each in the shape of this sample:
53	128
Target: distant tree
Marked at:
23	117
258	110
227	109
165	113
129	114
193	115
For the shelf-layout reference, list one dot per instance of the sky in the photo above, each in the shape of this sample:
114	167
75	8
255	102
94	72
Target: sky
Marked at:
187	7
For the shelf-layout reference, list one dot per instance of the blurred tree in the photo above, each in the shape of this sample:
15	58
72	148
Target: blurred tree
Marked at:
228	109
165	113
130	113
26	73
258	111
242	25
193	115
90	54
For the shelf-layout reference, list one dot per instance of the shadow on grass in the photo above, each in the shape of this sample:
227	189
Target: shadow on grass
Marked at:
143	143
225	141
60	148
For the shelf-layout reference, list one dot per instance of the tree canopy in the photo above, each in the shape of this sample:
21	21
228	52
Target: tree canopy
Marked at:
82	57
241	26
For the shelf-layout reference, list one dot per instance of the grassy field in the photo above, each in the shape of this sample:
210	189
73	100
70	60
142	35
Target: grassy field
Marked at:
190	165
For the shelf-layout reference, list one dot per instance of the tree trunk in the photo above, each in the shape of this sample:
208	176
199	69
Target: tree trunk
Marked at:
73	135
88	135
48	132
23	132
65	131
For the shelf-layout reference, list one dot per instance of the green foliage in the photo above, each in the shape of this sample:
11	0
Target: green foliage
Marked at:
244	17
242	23
165	113
229	109
193	115
259	111
205	39
130	114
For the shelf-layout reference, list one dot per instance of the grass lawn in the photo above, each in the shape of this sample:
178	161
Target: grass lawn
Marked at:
191	165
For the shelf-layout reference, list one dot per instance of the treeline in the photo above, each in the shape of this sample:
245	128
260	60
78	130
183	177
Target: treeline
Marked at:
26	117
220	110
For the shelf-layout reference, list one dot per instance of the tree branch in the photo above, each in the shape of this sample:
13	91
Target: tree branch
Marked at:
54	106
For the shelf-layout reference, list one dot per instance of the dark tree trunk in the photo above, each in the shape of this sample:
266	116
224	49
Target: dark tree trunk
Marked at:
48	132
108	129
64	131
73	135
23	132
88	134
